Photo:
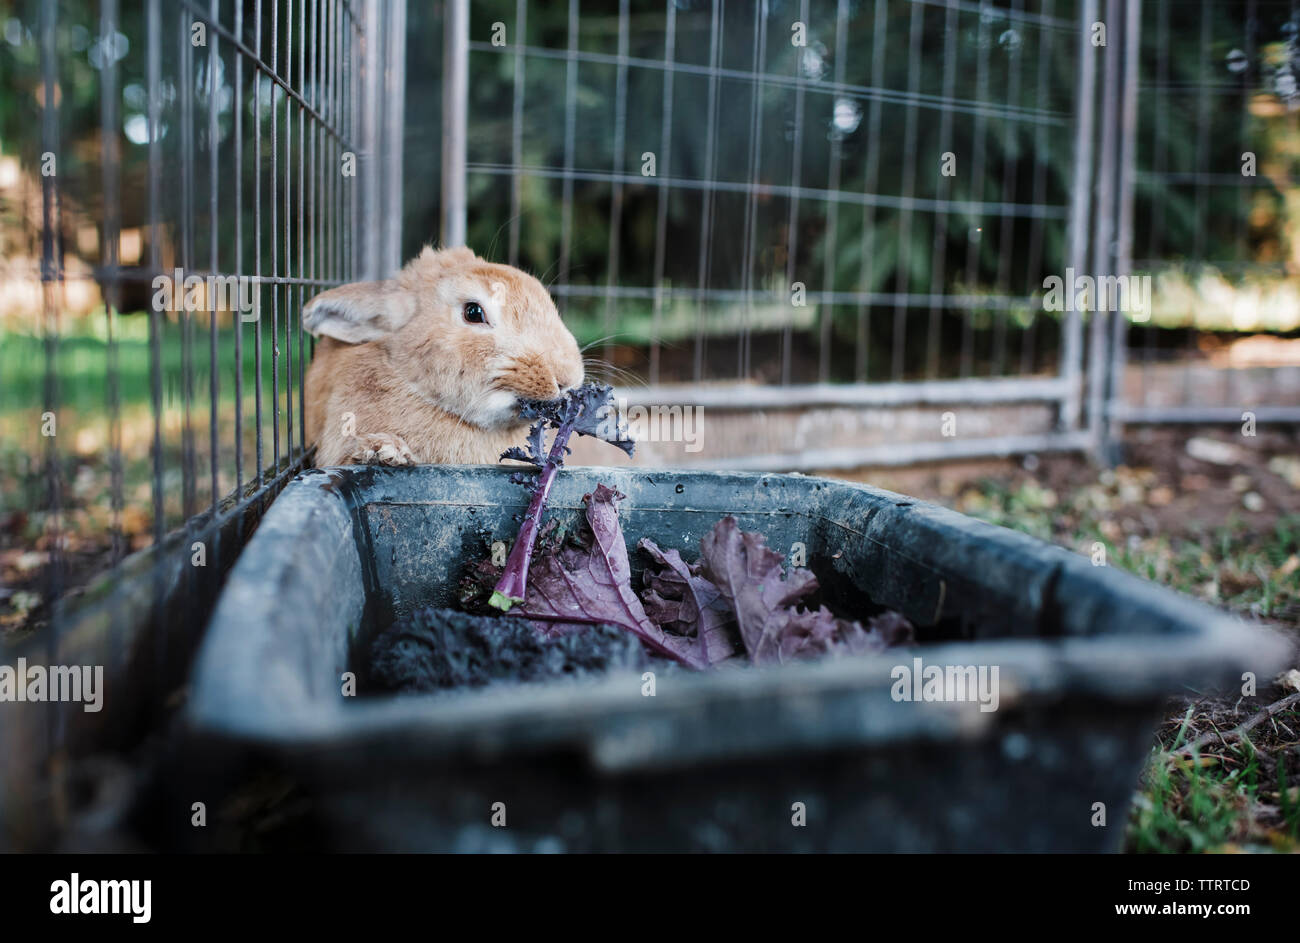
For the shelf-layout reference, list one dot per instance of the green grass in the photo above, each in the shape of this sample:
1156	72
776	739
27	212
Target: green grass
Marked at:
1217	798
81	365
1234	564
83	396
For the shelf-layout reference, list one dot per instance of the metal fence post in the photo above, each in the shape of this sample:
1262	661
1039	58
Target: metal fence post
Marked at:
1132	41
1080	202
383	91
394	92
367	183
1103	233
455	91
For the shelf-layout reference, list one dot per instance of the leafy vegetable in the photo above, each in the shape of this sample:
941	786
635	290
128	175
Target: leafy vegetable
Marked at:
738	600
737	603
739	581
592	584
682	601
751	577
587	410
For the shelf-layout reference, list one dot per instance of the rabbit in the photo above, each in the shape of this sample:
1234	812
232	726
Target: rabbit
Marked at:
432	365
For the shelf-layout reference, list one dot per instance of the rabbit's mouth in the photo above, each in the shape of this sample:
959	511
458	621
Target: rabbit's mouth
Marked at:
496	409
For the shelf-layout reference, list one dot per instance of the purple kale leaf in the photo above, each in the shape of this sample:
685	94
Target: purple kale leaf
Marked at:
587	410
765	598
815	633
535	453
681	601
751	578
592	585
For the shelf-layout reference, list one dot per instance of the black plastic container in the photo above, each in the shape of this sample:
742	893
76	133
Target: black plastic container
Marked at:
726	761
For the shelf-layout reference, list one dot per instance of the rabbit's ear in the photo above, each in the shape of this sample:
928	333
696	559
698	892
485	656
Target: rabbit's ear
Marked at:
356	313
431	258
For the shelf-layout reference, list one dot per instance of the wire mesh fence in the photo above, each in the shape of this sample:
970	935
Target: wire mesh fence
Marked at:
707	184
178	179
858	203
792	203
1217	122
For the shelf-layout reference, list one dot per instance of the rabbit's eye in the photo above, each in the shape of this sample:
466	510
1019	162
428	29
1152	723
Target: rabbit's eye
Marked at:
474	313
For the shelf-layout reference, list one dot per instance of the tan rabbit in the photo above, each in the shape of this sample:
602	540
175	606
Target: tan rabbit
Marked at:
430	366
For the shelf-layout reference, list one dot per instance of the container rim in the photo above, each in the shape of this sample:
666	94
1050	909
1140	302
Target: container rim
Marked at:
760	710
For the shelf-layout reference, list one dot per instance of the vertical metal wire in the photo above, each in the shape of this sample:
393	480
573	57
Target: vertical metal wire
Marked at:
796	175
1159	166
334	150
350	91
346	88
153	79
664	166
975	231
287	226
619	168
904	268
304	159
189	474
867	266
318	144
1243	192
257	240
214	264
517	128
833	206
274	234
570	134
939	250
51	284
1199	188
1006	231
390	196
299	211
706	213
1245	195
346	191
759	68
237	120
343	188
1034	268
111	165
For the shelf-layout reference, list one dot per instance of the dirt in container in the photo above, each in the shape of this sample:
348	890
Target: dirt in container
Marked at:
440	649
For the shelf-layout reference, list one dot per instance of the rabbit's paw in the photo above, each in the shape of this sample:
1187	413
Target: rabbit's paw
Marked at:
379	448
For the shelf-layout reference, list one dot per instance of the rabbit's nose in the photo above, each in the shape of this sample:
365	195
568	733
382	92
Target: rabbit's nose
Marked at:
567	381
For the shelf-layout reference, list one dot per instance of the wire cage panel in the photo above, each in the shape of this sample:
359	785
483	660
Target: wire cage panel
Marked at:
1215	129
194	172
783	193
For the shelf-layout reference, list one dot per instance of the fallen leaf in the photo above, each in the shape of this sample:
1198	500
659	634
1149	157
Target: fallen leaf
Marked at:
1213	451
1161	496
1290	679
